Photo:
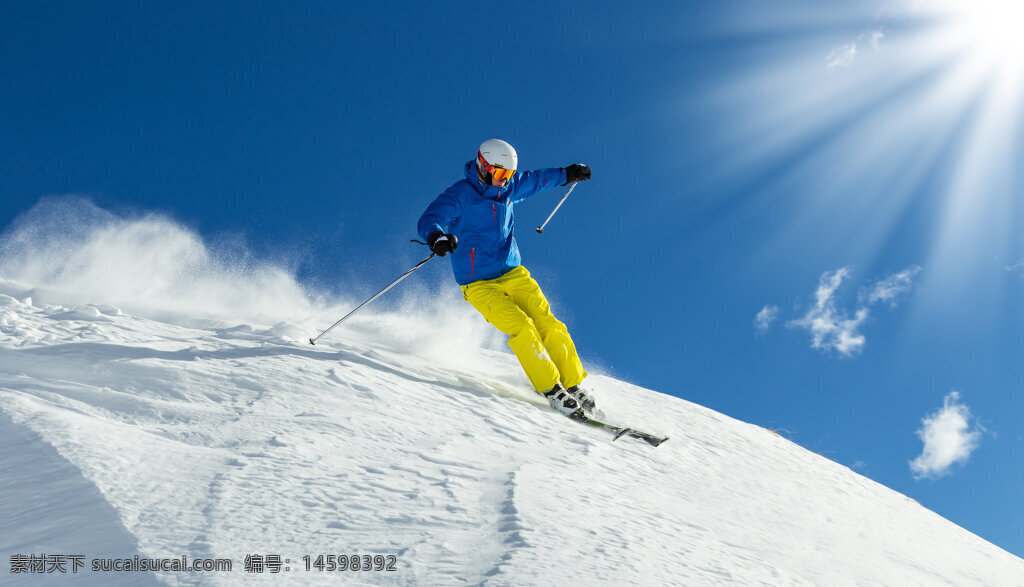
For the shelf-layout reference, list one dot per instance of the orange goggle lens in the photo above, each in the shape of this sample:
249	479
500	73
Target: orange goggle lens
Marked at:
498	173
502	174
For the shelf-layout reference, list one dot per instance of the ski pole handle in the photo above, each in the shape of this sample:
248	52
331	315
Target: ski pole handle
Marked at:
378	294
540	229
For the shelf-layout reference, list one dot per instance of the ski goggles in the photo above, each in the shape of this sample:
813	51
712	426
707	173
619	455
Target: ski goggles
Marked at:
498	173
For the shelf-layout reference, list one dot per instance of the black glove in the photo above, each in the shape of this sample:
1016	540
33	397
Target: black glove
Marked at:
576	172
442	243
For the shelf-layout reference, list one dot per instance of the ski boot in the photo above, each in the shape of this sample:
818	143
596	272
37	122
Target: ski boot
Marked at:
585	398
564	402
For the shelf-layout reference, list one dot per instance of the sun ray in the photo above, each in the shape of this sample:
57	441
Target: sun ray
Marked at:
895	132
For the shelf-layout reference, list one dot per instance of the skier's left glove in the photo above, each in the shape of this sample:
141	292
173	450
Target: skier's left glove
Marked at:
442	244
576	172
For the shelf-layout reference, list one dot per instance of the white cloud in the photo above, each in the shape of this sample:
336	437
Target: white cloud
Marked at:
845	55
1019	266
765	317
891	287
829	328
949	438
874	38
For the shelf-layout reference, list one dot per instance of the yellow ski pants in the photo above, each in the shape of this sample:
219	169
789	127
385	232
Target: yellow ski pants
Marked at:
514	304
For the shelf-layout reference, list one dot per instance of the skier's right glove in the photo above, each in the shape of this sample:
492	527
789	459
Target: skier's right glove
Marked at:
442	244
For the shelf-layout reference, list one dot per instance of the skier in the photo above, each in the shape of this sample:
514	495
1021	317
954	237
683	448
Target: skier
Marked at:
473	220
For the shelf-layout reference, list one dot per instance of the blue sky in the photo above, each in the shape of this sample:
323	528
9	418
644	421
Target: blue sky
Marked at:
850	170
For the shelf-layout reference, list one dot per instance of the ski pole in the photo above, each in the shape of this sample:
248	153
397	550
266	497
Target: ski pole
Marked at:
540	229
380	293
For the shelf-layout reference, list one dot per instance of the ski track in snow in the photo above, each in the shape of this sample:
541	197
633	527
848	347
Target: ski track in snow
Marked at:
123	435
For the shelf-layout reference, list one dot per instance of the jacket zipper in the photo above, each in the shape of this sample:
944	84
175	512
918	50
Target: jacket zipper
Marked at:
472	261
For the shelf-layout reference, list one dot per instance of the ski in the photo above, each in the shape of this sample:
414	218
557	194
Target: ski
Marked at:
620	431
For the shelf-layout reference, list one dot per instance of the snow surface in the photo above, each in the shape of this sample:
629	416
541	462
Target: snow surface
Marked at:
138	416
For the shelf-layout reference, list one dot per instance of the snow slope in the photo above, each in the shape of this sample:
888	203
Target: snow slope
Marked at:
150	433
140	436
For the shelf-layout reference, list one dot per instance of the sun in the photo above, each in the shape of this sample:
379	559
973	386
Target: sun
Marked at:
996	25
991	31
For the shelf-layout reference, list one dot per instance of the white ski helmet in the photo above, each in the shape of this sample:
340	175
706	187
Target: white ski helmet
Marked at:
497	159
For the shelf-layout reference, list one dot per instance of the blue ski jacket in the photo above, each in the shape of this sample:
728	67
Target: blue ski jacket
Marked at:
481	217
